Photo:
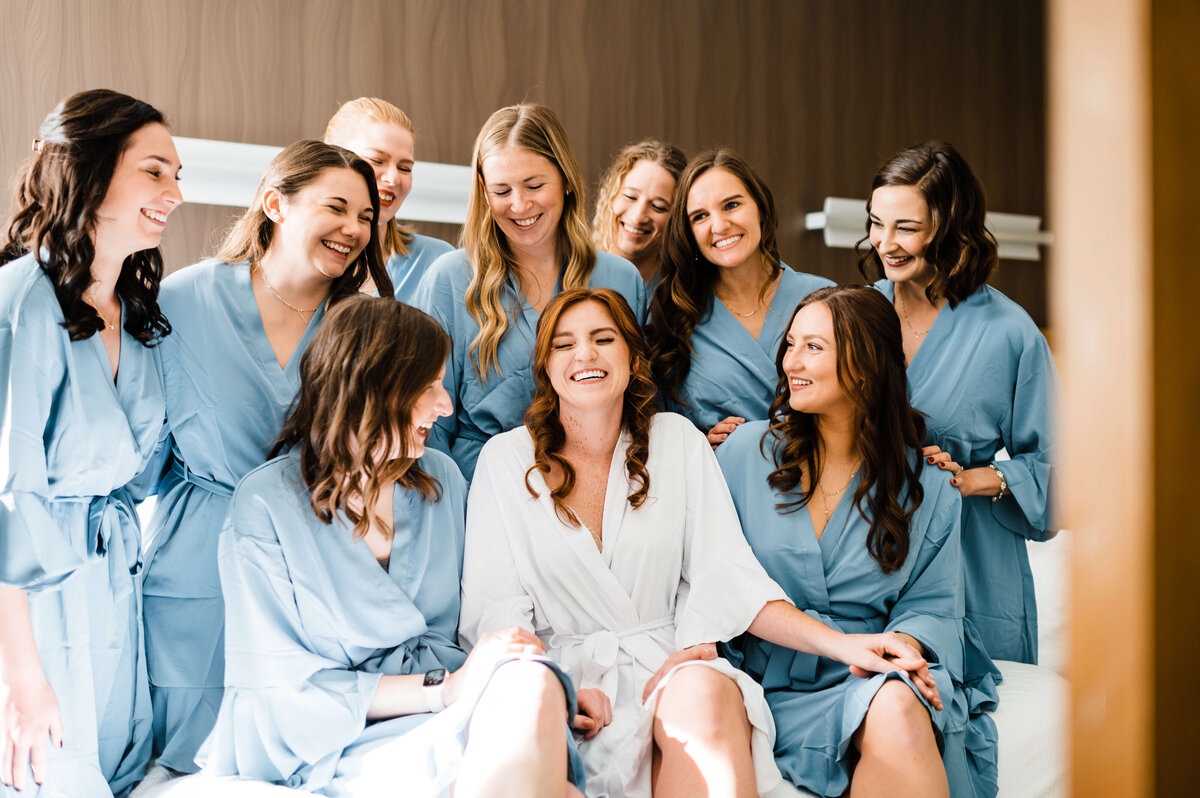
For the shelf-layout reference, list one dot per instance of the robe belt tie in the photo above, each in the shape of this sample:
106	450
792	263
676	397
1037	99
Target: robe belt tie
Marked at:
180	470
592	658
113	529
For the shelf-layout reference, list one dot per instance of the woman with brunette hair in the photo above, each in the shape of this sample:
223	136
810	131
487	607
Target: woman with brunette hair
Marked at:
718	314
841	510
82	407
606	529
383	135
231	368
340	562
635	197
980	371
525	239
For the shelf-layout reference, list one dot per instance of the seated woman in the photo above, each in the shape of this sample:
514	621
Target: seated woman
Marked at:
383	135
635	197
606	528
839	507
340	564
718	314
525	239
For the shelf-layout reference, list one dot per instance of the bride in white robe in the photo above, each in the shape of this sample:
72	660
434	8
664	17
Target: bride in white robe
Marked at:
634	569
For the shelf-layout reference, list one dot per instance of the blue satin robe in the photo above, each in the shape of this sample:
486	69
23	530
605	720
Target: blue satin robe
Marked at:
406	271
986	380
817	703
71	446
485	407
732	373
226	400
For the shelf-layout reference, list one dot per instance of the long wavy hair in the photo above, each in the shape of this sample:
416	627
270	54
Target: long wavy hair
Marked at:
368	364
56	195
637	408
532	127
962	250
684	297
297	166
871	372
342	127
604	223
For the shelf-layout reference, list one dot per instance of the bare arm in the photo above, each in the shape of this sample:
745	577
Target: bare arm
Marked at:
29	714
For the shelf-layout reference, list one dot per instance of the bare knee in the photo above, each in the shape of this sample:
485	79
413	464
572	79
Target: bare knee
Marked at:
896	719
530	684
700	703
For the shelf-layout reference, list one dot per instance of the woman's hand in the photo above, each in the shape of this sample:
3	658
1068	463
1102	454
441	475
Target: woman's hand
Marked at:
29	718
718	434
969	481
491	648
595	712
701	651
890	651
936	457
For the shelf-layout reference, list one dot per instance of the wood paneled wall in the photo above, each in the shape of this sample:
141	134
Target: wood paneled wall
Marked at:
814	93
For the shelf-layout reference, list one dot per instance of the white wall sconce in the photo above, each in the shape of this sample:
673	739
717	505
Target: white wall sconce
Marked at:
844	222
227	173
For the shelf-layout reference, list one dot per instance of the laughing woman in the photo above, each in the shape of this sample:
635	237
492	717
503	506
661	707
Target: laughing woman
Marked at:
340	563
842	511
82	408
981	372
231	370
606	529
718	314
383	135
635	198
525	239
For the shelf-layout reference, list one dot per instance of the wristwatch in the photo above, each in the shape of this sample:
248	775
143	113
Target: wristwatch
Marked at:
434	684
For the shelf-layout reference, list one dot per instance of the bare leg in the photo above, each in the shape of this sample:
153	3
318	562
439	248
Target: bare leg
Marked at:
518	736
899	755
703	737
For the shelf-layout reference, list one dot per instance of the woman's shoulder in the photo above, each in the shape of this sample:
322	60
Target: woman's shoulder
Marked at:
513	446
613	271
428	245
1001	314
451	266
442	467
800	284
25	287
941	499
198	276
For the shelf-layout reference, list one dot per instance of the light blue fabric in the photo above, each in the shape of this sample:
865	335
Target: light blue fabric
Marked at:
818	705
71	445
732	373
406	271
226	400
313	622
483	408
985	378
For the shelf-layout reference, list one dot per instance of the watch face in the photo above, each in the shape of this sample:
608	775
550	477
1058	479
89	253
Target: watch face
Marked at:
435	676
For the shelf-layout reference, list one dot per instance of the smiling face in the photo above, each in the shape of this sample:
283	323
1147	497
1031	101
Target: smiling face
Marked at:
640	210
589	359
324	226
810	364
432	404
725	221
901	229
525	193
389	148
142	193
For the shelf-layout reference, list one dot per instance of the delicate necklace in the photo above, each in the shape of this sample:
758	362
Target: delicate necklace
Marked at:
904	313
741	315
300	311
110	325
830	494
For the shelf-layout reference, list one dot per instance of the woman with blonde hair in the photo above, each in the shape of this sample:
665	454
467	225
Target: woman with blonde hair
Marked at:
340	561
231	369
525	239
635	198
383	136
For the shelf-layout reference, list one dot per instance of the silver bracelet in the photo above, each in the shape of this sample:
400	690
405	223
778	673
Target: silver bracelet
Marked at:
1003	482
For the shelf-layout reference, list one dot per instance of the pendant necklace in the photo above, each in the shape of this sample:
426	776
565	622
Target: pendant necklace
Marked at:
904	313
299	311
830	494
108	324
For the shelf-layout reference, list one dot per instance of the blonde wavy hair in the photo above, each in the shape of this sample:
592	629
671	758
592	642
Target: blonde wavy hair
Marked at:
532	127
342	127
604	223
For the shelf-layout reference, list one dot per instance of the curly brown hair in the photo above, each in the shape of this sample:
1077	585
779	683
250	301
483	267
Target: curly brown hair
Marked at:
637	410
872	373
359	379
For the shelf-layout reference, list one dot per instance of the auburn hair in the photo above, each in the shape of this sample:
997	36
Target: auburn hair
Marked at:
962	250
871	372
637	409
56	196
535	128
361	376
